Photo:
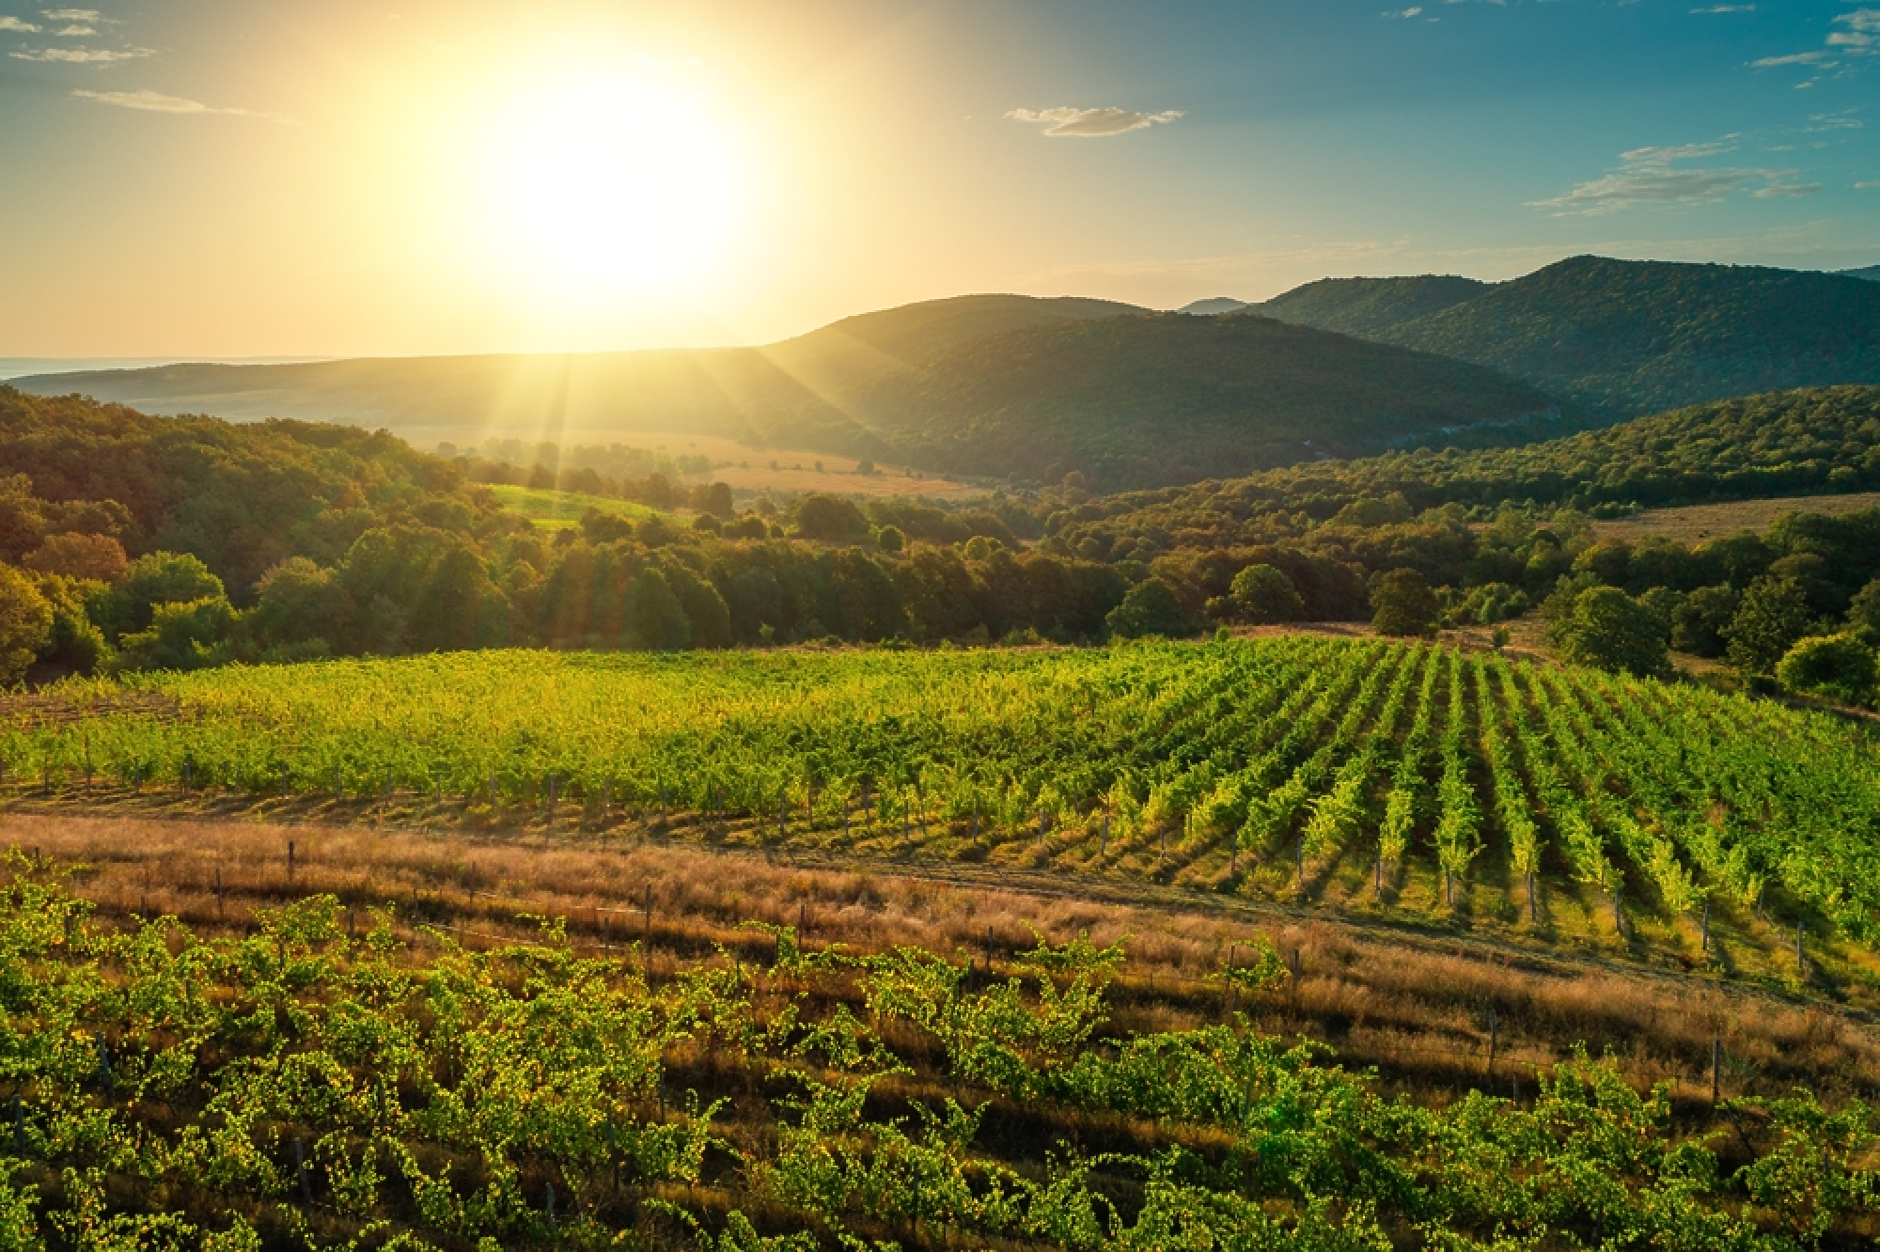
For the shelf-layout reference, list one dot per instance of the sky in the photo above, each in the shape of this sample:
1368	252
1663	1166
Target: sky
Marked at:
216	179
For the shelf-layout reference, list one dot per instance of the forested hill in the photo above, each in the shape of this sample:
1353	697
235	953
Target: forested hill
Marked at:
1371	308
1871	273
1626	337
1786	443
986	385
791	394
240	497
1139	401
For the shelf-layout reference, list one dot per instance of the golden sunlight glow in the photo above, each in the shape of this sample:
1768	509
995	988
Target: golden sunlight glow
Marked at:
608	187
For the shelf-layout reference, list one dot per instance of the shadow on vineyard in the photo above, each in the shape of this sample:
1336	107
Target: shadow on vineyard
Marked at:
410	1039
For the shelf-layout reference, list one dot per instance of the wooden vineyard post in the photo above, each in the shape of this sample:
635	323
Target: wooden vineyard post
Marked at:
552	780
802	919
1534	904
88	765
649	911
1703	932
1299	866
290	862
662	810
1801	953
783	826
607	799
1378	886
988	952
218	891
300	1168
1230	979
1618	910
1716	1069
1103	848
1041	829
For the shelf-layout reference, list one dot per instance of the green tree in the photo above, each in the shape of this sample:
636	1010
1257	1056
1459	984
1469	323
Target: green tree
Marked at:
192	635
298	603
830	519
1404	605
1151	607
656	621
1864	612
74	640
1699	622
1836	667
1610	630
1771	619
890	539
153	579
25	624
1262	594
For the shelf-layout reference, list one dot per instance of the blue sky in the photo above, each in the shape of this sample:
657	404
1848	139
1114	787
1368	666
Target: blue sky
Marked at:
224	178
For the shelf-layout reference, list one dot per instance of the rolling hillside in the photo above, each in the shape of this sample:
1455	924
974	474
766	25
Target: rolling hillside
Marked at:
1134	402
1623	337
983	385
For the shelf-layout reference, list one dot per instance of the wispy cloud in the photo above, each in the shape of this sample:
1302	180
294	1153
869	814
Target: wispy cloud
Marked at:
1862	34
1415	10
157	102
1794	58
75	32
1069	123
18	26
1663	176
82	56
1727	8
73	15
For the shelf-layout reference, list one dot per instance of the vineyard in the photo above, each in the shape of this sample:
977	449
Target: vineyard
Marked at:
320	1081
1407	781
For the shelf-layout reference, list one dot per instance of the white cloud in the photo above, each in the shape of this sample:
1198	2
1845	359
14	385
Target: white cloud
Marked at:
1794	58
73	15
1413	11
1727	8
16	25
82	56
1875	186
157	102
75	32
1660	176
1064	122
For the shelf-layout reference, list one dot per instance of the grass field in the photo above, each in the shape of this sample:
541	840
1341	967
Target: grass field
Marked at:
1699	522
561	510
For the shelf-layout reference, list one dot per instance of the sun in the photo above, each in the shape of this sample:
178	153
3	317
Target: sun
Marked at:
609	187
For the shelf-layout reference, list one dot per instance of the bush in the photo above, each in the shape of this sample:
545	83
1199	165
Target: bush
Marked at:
1834	667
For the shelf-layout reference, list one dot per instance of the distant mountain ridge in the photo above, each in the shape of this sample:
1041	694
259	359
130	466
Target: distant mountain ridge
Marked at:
987	385
1871	273
1213	306
1622	337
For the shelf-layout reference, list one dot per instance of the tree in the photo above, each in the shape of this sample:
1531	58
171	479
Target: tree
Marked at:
25	624
191	635
1404	605
1610	630
830	519
1864	612
1836	667
1262	594
1771	619
656	621
1699	622
94	558
153	579
1151	607
298	603
890	539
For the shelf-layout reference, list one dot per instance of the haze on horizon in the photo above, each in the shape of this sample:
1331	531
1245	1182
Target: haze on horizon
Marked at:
332	178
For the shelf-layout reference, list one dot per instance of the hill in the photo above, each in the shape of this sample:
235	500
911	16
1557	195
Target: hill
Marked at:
984	385
788	394
1625	337
1754	448
1214	306
1168	398
1370	308
1871	273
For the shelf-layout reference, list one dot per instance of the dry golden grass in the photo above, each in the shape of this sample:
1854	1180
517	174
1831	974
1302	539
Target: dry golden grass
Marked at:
1414	1006
1699	522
